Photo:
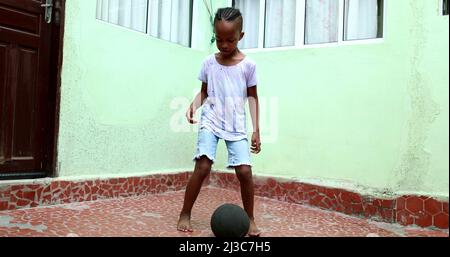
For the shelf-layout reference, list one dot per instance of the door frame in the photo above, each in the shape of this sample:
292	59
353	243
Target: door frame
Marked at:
51	153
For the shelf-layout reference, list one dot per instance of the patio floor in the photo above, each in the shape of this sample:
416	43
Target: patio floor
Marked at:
157	215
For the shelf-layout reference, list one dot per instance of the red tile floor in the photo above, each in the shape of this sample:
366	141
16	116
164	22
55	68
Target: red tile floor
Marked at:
157	215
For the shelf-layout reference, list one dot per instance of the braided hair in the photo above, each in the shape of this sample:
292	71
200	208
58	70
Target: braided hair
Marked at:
229	14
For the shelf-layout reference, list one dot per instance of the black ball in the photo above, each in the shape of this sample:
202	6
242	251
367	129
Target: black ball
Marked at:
230	220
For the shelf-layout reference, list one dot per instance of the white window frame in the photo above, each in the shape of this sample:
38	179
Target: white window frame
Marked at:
300	30
195	31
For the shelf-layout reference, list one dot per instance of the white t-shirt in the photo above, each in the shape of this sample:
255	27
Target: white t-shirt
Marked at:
224	110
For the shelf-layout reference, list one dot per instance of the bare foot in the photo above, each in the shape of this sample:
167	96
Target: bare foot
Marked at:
184	223
253	231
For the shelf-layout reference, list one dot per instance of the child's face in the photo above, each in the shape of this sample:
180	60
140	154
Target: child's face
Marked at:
228	36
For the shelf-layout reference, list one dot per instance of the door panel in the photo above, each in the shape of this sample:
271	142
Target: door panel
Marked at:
19	20
23	141
24	86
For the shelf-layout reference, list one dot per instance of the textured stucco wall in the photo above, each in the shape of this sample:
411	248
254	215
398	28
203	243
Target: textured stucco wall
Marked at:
424	162
373	117
119	92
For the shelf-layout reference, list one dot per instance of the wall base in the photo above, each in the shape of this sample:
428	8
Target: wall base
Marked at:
422	211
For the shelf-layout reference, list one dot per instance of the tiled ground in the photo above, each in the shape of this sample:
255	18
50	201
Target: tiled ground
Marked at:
157	215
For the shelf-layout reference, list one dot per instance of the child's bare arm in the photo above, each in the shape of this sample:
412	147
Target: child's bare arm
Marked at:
253	102
197	103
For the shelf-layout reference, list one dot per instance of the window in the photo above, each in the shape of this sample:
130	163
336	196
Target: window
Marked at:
322	21
363	19
169	20
280	23
284	23
250	11
130	14
270	23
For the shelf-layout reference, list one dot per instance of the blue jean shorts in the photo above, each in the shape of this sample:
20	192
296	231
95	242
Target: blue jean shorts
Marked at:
238	151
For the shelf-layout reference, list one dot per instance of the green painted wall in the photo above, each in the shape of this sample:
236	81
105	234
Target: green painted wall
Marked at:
371	117
117	89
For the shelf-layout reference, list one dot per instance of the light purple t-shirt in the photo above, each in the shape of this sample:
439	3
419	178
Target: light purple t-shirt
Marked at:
224	110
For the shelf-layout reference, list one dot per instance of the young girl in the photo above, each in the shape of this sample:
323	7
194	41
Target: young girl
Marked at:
229	78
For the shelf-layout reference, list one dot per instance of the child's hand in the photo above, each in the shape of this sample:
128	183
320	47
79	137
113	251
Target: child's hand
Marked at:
190	115
256	143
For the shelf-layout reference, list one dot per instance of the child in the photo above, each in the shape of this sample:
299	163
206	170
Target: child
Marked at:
228	77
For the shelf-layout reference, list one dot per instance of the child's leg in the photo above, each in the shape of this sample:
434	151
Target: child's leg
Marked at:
204	157
244	174
201	171
239	159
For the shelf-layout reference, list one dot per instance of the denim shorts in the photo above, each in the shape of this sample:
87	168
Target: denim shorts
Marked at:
238	151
